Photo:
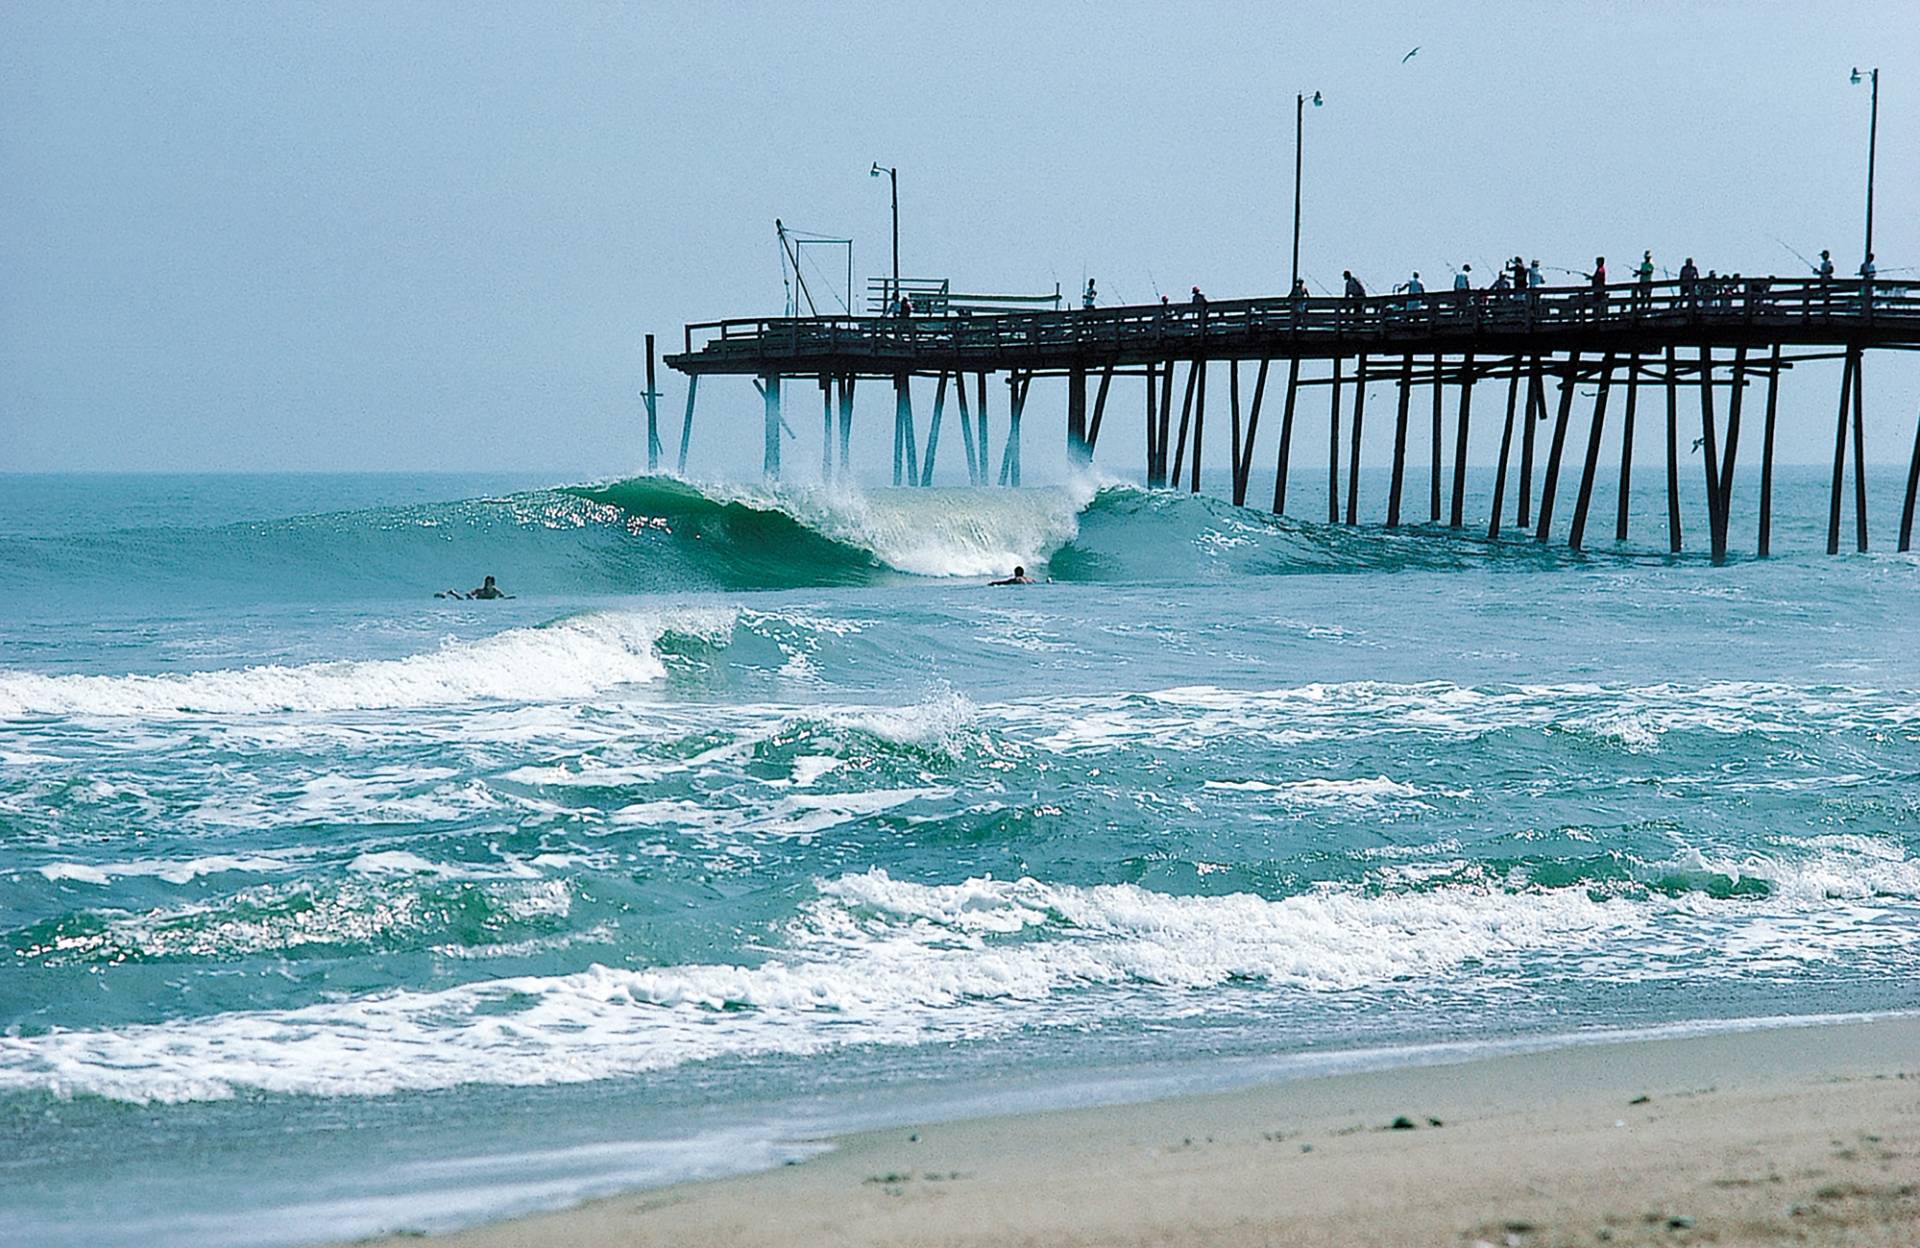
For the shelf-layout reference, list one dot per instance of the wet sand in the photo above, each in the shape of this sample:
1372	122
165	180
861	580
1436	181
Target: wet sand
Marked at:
1800	1135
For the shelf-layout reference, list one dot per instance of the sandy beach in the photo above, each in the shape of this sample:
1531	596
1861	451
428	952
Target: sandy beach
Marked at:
1790	1135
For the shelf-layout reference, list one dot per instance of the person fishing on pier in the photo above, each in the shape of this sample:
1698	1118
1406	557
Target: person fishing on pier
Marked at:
1599	280
1414	289
1356	293
1824	271
1690	281
1643	282
1089	297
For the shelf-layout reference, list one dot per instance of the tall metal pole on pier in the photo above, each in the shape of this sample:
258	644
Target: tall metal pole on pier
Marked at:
1299	133
1873	143
893	182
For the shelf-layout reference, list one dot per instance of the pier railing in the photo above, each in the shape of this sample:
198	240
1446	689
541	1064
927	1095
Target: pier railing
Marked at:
1807	309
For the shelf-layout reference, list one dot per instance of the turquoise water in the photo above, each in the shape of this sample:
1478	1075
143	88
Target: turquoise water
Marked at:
330	908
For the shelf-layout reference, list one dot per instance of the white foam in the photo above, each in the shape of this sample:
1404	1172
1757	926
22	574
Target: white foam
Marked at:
937	532
171	871
874	961
575	658
1319	791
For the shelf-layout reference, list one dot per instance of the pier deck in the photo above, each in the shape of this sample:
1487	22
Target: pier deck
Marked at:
1662	335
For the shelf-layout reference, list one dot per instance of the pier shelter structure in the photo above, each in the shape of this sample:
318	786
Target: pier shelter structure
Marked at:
1711	341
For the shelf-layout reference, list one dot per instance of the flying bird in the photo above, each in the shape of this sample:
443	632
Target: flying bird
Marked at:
1409	56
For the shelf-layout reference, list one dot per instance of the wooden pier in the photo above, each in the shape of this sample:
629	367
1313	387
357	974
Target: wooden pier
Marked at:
1715	338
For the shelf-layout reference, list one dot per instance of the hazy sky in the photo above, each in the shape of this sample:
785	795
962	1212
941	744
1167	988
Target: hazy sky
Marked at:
390	235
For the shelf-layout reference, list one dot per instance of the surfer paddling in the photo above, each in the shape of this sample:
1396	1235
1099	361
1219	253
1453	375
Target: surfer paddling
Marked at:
1019	577
487	591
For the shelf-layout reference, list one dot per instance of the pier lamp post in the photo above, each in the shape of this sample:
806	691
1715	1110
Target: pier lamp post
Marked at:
1873	141
1299	132
893	180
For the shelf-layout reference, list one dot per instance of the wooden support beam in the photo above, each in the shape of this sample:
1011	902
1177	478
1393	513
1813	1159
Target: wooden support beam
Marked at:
1076	416
1536	412
933	428
981	448
1017	384
1765	546
653	414
905	457
1550	481
1333	449
1673	452
1839	456
1731	451
1353	460
1506	449
1710	444
1577	534
1153	430
1433	491
975	466
1626	447
1199	418
770	391
1166	417
1233	433
1462	421
686	424
1400	442
826	428
1286	440
1859	453
1913	487
847	383
1243	469
1099	411
1186	419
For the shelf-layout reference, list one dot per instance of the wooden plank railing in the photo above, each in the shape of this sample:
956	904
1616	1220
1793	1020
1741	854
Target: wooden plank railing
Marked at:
1237	326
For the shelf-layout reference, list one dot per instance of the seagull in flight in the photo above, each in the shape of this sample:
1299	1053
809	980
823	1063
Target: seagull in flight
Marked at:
1698	443
1409	56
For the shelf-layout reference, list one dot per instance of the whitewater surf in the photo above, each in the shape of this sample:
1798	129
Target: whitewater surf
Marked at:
755	814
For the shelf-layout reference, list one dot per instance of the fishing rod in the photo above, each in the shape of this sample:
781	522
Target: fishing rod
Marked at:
1811	266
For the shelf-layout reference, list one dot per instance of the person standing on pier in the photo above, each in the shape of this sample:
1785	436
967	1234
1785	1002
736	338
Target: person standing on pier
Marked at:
1824	271
1090	296
1690	281
1415	288
1643	285
1355	293
1867	273
1599	279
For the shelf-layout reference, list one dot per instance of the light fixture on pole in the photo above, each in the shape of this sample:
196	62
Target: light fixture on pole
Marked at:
1873	141
893	180
1299	132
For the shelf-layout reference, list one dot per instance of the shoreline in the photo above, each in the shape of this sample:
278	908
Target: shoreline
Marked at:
1802	1132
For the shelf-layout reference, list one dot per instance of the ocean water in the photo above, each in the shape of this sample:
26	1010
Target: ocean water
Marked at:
328	908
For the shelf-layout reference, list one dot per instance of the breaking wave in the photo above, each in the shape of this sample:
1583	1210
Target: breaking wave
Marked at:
573	658
658	534
875	960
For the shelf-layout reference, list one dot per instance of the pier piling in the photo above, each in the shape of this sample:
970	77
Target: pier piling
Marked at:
1462	421
1550	480
1286	442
